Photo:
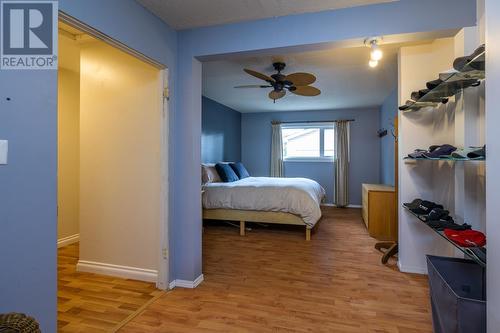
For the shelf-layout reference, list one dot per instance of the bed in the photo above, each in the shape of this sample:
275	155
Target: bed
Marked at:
293	201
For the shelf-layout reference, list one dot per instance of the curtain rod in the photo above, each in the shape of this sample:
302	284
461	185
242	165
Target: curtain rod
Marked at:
310	121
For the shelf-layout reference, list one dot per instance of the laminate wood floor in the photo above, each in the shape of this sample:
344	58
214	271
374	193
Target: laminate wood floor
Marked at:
95	303
273	281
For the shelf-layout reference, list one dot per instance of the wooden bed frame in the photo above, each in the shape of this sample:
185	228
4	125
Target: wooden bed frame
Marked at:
255	216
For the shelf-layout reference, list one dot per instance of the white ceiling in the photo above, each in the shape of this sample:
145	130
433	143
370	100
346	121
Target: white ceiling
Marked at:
185	14
343	76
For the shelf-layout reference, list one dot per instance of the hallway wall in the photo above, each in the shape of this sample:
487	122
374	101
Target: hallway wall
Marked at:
120	160
68	139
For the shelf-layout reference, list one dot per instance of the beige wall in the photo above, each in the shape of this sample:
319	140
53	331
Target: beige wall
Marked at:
120	168
68	138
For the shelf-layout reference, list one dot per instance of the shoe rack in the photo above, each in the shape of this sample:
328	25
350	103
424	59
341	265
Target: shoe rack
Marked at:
457	184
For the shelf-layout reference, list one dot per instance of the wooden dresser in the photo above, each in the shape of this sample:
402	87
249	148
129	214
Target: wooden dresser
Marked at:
379	211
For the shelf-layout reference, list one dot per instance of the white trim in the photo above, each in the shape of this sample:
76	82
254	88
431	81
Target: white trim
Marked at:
163	245
308	160
306	124
68	240
354	206
171	285
127	272
334	205
75	23
186	283
411	269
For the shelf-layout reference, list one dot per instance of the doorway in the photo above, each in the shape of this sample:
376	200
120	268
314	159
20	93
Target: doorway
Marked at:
112	184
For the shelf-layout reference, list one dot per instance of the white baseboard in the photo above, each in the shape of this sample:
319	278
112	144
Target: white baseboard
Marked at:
411	269
68	240
127	272
354	206
334	205
186	283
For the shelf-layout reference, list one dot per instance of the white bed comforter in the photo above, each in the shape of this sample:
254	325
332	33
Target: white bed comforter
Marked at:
299	196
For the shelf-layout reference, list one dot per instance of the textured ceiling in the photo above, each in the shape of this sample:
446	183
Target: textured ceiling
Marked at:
343	75
185	14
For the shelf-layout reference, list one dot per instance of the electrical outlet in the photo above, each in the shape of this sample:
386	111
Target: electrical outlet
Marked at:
4	150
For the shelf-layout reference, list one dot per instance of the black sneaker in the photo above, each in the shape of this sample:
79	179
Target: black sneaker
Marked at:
425	207
439	214
414	204
465	64
440	225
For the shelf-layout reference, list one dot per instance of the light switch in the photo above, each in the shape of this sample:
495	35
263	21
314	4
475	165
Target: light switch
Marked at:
4	150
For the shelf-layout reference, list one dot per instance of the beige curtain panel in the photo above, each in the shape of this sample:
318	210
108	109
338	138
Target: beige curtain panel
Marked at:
342	163
276	151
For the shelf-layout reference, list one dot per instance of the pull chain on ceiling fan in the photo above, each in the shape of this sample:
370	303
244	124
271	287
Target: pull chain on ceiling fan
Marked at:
296	83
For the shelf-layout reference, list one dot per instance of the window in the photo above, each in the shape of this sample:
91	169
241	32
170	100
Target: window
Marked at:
308	142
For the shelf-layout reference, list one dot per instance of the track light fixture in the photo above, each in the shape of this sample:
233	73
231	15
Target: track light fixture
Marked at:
376	53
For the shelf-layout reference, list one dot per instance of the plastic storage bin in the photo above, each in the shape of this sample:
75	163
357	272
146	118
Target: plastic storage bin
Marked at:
458	295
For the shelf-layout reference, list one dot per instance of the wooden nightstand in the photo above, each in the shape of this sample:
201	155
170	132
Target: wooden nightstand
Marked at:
379	211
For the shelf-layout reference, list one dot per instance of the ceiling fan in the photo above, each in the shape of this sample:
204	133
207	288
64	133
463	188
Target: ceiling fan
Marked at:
297	83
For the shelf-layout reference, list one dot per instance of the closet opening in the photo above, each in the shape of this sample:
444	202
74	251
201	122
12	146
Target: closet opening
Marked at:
112	180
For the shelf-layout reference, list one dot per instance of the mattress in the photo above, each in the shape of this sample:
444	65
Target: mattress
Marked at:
299	196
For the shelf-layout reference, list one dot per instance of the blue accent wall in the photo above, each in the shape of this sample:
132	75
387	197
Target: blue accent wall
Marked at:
220	132
365	148
388	112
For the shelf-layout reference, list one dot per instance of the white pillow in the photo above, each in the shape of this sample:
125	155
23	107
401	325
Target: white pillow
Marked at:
209	174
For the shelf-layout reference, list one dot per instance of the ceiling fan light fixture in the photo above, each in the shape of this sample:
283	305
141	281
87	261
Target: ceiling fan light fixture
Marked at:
296	83
373	63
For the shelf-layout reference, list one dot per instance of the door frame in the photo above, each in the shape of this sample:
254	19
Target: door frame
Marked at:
163	241
163	271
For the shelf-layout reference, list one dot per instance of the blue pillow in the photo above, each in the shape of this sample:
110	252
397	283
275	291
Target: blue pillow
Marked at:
226	173
240	170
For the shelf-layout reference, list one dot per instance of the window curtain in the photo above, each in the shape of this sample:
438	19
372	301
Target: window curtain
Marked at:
342	163
276	150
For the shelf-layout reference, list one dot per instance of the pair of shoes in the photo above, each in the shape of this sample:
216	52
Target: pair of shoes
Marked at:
473	153
429	96
416	105
434	152
441	225
434	215
438	214
422	207
466	238
447	89
475	61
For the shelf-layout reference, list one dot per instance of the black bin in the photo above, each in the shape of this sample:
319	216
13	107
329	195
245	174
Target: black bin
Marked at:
458	295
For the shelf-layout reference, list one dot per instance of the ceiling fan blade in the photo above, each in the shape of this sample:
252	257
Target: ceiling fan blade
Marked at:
274	95
253	86
259	75
306	91
301	79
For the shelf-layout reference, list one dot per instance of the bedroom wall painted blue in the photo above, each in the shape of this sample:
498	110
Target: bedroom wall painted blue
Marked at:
28	190
220	132
365	148
305	30
388	111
